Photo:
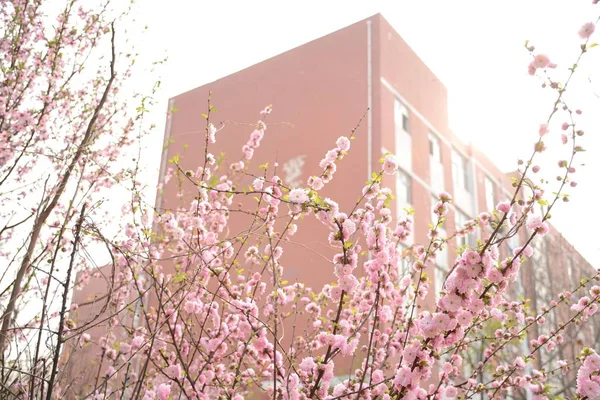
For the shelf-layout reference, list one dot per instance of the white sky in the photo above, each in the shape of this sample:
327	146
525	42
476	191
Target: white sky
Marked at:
474	47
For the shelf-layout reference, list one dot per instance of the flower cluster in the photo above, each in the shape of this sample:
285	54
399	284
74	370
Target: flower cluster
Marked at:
201	300
588	376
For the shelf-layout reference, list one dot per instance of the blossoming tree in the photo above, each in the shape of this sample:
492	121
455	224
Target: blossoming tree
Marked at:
193	309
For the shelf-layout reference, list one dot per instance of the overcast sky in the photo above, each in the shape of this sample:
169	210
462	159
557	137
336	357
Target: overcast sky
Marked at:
474	47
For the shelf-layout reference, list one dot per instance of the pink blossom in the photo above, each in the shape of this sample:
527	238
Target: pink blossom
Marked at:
543	129
445	197
450	392
389	164
211	131
111	354
503	207
589	388
163	391
124	348
494	275
581	304
149	395
593	362
447	367
257	184
543	229
464	318
343	143
403	377
137	342
173	371
450	302
85	338
472	257
591	310
586	30
497	314
189	306
519	363
315	183
534	222
331	156
541	61
299	196
307	364
349	227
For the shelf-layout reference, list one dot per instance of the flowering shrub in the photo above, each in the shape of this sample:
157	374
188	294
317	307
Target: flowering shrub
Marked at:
193	310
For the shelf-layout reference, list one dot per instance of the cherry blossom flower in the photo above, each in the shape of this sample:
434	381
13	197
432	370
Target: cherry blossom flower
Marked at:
299	196
586	30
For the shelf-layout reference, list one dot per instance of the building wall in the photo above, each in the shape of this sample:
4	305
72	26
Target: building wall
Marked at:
319	92
308	95
83	363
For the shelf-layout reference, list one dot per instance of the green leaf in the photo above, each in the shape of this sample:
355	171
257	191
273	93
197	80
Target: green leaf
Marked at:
179	277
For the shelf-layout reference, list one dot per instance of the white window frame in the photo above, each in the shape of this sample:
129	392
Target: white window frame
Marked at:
460	219
404	180
401	117
490	193
435	148
461	176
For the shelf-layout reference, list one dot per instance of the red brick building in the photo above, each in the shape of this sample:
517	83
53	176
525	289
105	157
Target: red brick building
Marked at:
319	92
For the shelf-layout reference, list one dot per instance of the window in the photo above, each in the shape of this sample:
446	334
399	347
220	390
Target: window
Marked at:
490	194
541	274
403	188
434	148
460	220
440	277
405	262
442	258
513	242
434	217
570	269
459	223
401	117
460	171
402	139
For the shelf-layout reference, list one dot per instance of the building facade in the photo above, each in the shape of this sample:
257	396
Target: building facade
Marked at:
319	92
